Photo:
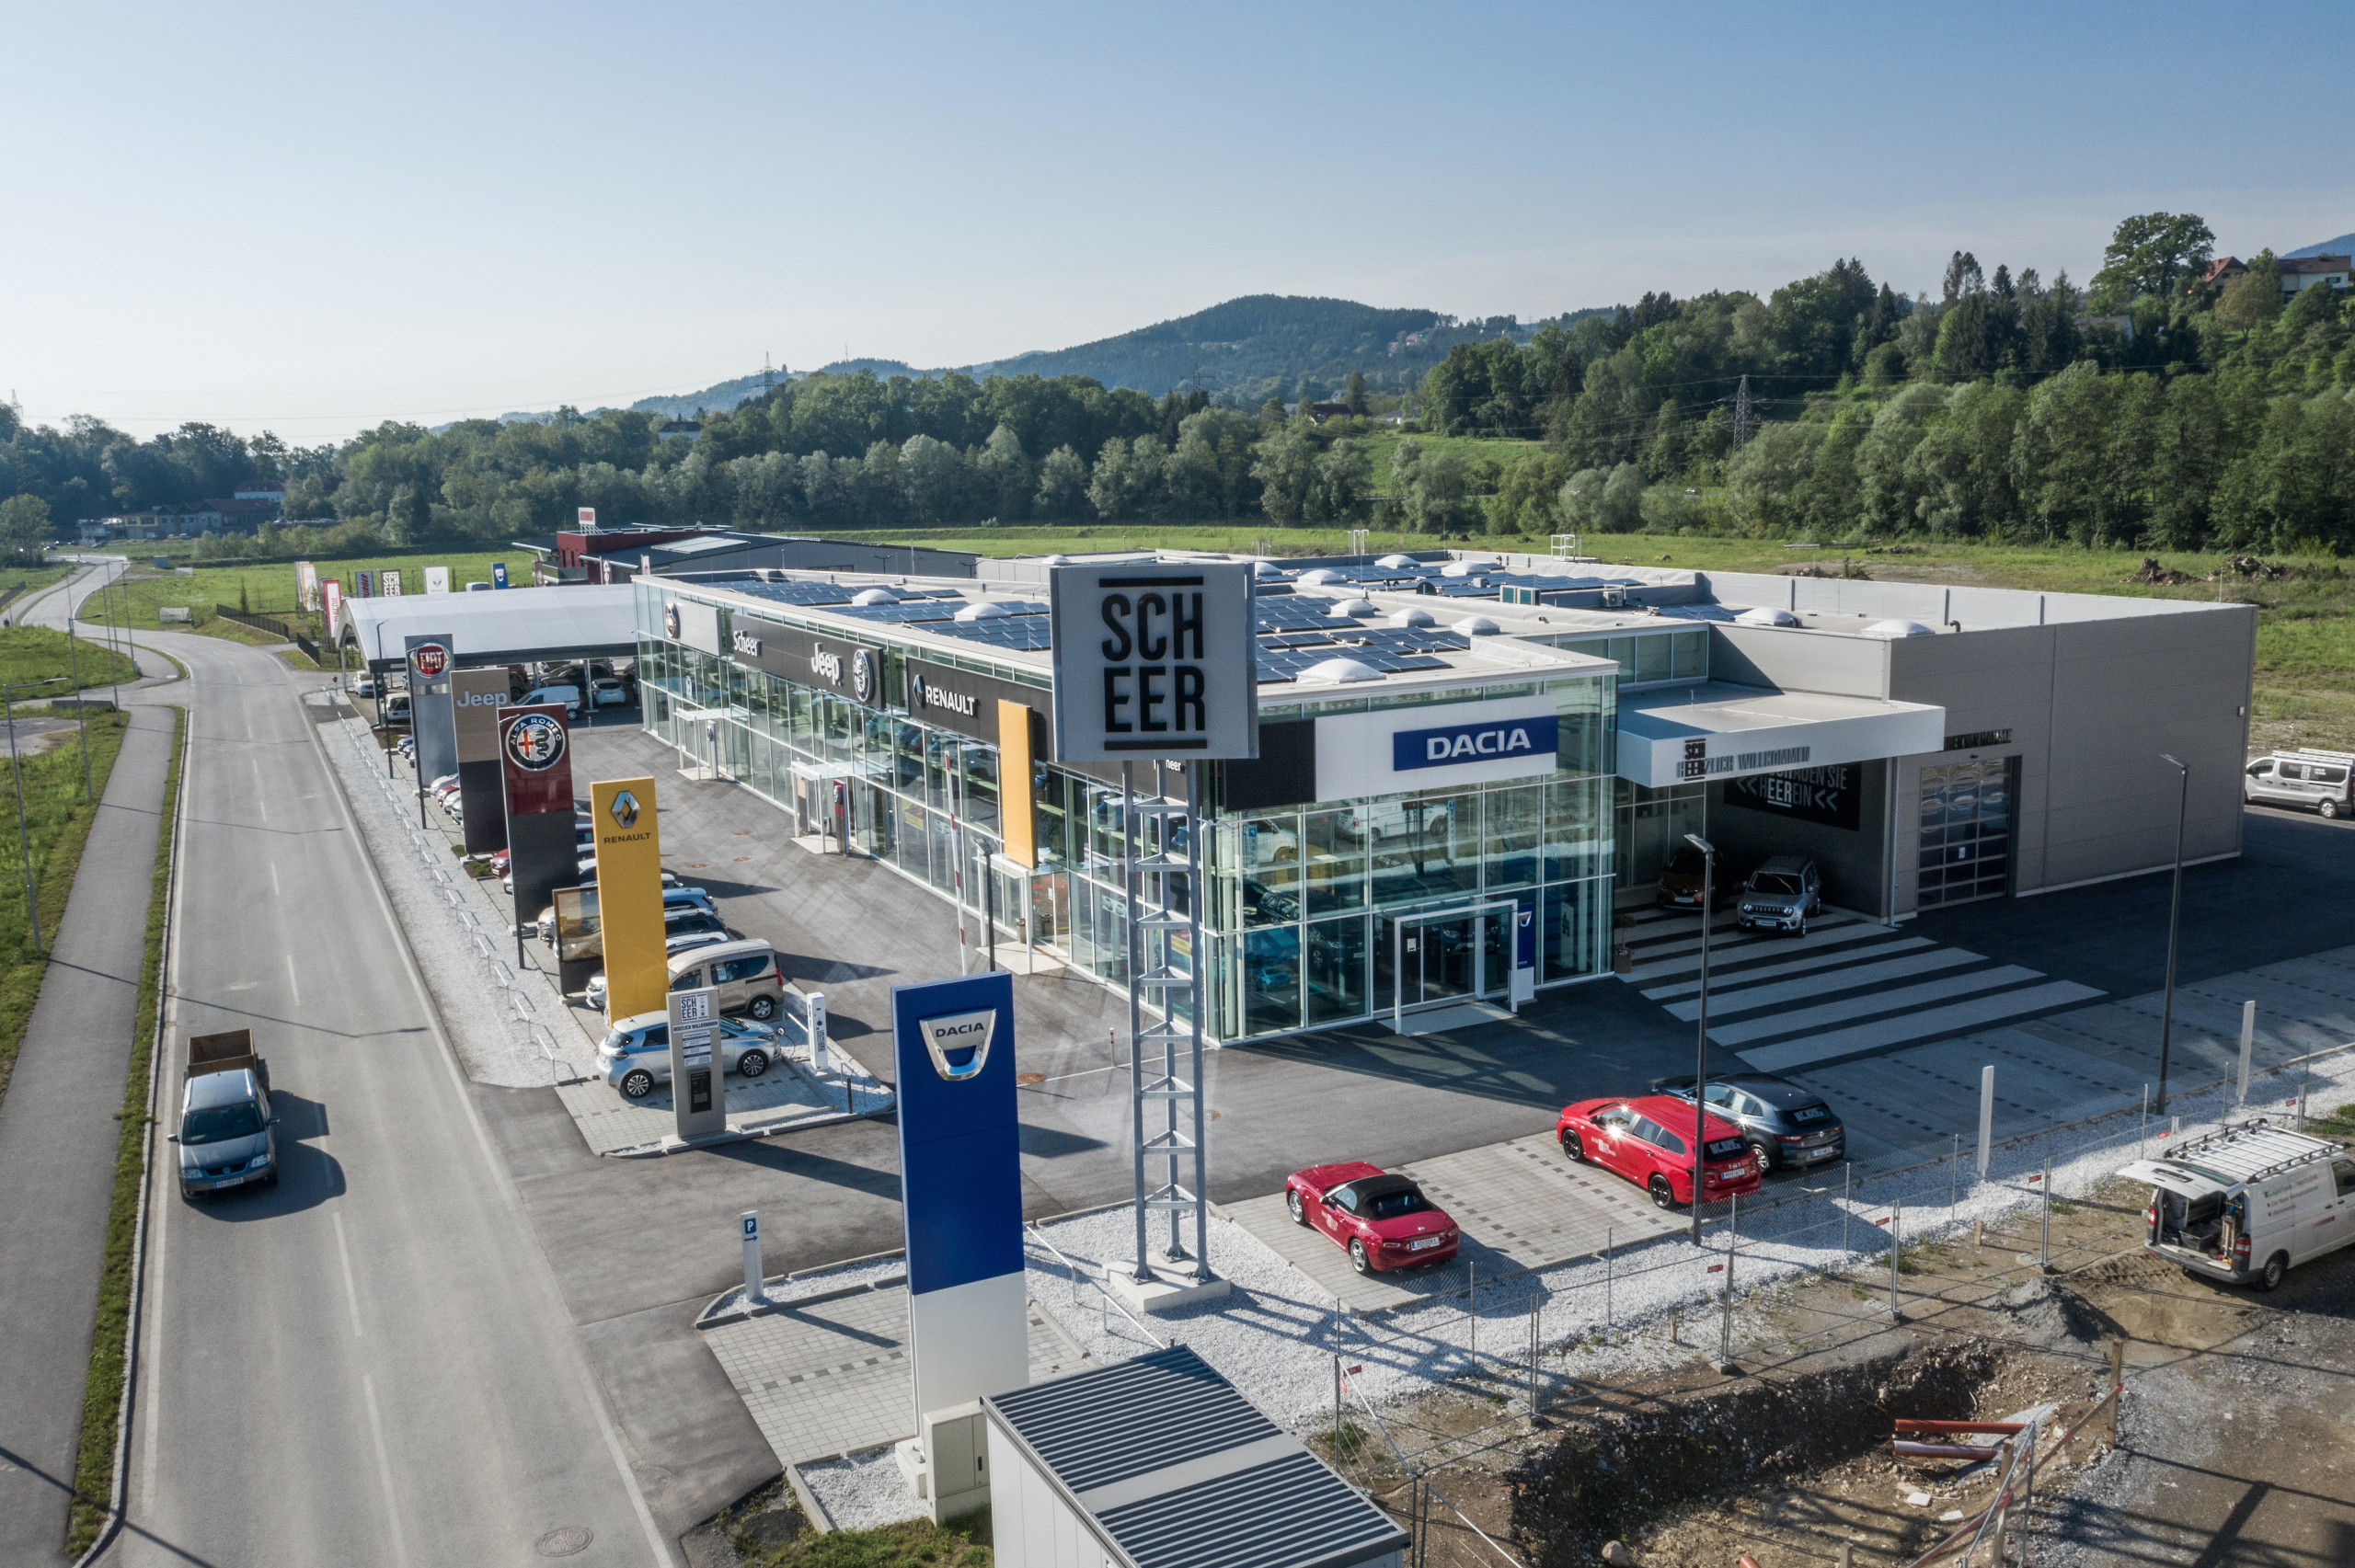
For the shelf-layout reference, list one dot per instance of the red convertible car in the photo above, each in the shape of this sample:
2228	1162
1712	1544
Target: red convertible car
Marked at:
1382	1221
1648	1141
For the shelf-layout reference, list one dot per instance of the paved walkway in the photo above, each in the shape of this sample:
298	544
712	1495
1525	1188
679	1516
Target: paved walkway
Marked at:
57	1147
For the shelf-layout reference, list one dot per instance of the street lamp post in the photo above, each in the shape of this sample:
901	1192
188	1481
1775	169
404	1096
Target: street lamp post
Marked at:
17	772
2175	924
1701	1036
81	710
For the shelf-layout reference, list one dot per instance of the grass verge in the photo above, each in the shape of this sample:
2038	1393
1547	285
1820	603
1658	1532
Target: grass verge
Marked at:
102	1391
917	1543
57	822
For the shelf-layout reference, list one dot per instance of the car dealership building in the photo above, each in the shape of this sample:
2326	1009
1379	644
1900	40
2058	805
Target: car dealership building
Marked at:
1466	760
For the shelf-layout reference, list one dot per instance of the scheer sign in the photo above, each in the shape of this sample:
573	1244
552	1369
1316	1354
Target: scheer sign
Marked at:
1154	660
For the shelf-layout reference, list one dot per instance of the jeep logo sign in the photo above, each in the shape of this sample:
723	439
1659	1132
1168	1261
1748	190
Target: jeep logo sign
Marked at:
1155	661
827	666
959	1043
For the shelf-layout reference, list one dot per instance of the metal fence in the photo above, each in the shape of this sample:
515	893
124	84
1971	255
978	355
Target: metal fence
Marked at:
259	623
1514	1339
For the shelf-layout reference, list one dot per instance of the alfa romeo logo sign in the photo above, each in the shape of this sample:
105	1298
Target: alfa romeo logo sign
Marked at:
536	741
430	659
624	810
862	677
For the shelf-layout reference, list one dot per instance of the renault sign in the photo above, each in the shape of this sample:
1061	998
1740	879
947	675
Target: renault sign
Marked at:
1155	660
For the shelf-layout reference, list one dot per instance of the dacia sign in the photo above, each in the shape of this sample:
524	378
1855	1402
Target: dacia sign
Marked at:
1392	750
1154	660
961	1188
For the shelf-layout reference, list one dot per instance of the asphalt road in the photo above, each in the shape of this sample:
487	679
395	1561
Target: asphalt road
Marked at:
368	1364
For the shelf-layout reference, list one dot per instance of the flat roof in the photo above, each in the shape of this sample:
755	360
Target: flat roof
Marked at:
1300	637
1730	730
515	626
1177	1470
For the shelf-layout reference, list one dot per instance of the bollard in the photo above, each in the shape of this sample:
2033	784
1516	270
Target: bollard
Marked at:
1725	1319
1607	1239
1672	1327
1847	1184
1954	1176
754	1295
1847	1556
1533	1335
2248	1041
2044	1242
2002	1481
1978	1232
1896	1248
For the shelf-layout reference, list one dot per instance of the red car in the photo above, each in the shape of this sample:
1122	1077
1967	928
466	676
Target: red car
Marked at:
1648	1141
1382	1222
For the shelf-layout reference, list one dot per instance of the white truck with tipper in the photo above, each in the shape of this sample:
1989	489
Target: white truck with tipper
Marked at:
2249	1203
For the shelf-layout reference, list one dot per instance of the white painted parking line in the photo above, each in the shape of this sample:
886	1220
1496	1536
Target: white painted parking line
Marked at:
1796	967
1725	1004
1812	942
1917	1025
1726	935
1878	1001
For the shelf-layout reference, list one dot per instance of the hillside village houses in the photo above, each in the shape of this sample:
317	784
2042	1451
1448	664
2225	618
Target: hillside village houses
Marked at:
2297	271
254	503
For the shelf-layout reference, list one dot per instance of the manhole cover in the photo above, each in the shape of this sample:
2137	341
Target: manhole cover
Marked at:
1030	1077
563	1541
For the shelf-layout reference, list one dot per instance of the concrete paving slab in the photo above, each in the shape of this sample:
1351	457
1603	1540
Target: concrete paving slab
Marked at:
830	1376
1520	1204
790	1095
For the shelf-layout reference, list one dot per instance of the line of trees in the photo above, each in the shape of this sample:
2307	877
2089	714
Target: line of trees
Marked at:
2152	406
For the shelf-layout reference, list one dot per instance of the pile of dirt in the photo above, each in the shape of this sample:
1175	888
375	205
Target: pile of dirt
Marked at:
1818	569
2157	576
2250	568
2050	1315
1611	1471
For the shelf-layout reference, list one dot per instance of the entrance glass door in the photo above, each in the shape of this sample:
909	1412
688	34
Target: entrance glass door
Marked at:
1431	960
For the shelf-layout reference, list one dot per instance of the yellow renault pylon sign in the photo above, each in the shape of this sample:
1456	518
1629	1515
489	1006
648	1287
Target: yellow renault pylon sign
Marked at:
630	897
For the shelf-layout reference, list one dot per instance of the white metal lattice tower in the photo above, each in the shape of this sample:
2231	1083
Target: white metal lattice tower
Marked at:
1745	420
1163	891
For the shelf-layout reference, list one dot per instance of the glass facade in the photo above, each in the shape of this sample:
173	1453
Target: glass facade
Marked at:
1301	903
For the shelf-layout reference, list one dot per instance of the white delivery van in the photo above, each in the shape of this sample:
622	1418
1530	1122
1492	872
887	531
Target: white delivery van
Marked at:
568	695
2249	1203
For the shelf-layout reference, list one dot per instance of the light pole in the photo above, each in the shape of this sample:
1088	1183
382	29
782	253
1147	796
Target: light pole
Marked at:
1701	1038
17	772
81	711
2175	924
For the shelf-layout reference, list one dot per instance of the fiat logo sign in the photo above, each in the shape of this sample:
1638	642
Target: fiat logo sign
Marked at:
429	659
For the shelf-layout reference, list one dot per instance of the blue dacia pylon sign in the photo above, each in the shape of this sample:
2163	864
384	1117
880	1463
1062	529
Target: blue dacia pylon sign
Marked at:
961	1188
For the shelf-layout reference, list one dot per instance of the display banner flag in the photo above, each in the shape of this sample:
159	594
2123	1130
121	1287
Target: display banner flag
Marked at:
536	759
498	574
437	579
429	659
476	697
629	895
364	585
389	584
307	585
331	593
961	1188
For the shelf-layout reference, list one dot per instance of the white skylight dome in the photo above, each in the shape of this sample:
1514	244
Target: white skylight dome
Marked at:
1396	562
1891	630
1317	577
1348	609
1412	618
1767	615
875	596
1265	569
1461	568
1477	627
1338	671
983	611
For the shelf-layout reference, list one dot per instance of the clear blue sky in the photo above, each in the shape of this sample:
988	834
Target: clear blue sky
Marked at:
314	217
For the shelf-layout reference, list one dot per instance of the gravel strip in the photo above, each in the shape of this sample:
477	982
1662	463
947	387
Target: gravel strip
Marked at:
862	1491
492	1011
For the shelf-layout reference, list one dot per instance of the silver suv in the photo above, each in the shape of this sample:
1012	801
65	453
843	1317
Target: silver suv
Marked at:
2316	778
1780	895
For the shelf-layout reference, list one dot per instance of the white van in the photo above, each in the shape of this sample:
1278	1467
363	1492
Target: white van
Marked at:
568	695
2249	1203
2321	780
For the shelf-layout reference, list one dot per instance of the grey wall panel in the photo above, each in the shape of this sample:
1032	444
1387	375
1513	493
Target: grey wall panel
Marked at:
1793	659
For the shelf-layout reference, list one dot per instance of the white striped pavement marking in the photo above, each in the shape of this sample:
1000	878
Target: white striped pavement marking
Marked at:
1751	999
1879	1001
1916	1025
1796	967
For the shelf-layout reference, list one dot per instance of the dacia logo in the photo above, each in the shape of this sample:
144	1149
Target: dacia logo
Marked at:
624	810
959	1044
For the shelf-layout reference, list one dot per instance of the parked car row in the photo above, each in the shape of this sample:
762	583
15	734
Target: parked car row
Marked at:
1781	894
1753	1123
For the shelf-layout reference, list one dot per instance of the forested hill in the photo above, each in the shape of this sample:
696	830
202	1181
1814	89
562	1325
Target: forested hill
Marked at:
1242	352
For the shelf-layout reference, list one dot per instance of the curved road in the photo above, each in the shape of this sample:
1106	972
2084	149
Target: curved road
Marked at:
369	1363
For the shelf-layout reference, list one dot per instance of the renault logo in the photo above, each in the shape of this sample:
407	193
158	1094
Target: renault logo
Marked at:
958	1043
625	810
